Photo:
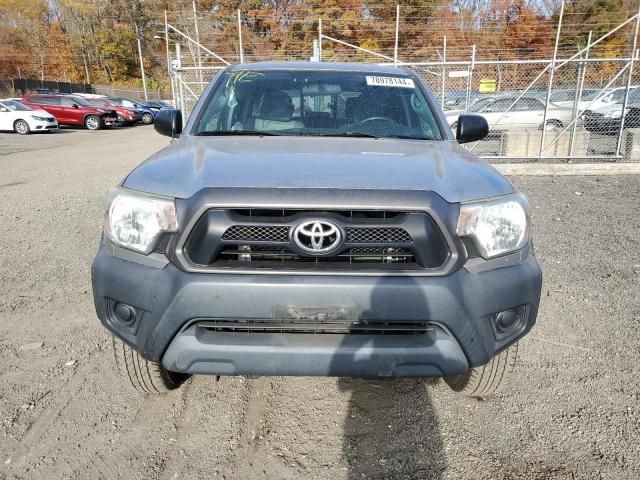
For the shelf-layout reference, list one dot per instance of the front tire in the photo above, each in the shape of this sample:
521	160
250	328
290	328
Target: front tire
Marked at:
145	376
21	127
484	381
553	125
92	122
147	118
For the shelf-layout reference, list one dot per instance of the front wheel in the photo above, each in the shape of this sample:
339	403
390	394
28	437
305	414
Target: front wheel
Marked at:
21	127
92	122
145	376
553	125
147	118
486	380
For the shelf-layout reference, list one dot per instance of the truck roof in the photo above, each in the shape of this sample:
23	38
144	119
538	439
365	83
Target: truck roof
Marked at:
327	66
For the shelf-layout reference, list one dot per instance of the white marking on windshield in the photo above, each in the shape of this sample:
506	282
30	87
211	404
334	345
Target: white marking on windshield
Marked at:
391	82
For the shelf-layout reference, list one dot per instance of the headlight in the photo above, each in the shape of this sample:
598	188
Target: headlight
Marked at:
40	119
136	221
497	227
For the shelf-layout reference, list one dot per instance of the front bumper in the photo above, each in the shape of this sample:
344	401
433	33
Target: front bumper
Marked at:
40	126
170	303
602	124
108	120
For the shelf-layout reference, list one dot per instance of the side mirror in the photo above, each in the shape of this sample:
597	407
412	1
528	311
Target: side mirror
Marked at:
3	109
471	128
169	123
75	105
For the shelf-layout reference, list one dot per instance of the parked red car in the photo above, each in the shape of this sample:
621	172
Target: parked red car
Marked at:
126	115
71	110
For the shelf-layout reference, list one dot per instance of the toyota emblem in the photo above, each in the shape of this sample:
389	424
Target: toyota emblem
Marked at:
317	236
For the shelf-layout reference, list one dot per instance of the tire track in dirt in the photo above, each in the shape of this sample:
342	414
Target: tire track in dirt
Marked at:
31	444
261	393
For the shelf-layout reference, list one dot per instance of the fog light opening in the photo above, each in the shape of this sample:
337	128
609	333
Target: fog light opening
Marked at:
509	321
124	313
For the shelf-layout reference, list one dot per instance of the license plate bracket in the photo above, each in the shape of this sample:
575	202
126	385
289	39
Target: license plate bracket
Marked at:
315	313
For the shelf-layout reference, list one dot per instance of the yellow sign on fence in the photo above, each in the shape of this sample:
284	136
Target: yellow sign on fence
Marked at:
487	85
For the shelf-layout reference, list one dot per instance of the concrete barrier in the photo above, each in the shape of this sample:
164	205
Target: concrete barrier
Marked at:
631	145
526	143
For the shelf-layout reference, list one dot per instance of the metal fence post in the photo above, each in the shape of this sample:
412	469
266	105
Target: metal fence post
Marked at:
178	76
169	70
576	104
395	47
199	54
629	79
320	39
470	78
550	85
444	70
240	37
144	81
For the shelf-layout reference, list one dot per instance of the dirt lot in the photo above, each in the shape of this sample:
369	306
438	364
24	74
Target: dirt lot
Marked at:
572	412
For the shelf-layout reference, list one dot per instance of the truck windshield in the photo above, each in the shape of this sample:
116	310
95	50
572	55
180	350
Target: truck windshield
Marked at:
318	103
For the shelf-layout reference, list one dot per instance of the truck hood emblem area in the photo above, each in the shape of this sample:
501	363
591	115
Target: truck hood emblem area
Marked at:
317	237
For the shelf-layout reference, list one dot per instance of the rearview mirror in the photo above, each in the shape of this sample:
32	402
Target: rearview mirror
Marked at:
169	123
471	128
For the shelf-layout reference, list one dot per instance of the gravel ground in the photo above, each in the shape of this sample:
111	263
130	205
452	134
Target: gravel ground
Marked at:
571	411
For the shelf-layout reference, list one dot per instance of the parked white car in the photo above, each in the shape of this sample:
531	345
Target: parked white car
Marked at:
527	113
566	98
17	117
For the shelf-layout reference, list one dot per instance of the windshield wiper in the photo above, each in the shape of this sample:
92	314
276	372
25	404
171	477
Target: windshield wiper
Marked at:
343	134
409	137
368	135
223	133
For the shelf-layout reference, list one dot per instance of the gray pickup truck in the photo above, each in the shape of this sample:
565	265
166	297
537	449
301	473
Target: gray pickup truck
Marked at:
316	219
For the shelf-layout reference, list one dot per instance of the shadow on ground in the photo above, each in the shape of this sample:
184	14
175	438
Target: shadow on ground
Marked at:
391	431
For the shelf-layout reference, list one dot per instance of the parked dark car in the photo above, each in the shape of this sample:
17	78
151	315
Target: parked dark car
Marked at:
157	105
607	119
146	114
72	110
317	219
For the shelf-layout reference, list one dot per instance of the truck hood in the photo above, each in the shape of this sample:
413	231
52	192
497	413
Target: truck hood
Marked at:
194	163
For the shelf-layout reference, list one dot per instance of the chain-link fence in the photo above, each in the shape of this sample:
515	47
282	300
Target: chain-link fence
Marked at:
579	115
576	102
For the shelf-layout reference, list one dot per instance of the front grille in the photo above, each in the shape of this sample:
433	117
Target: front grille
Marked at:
377	235
163	242
255	238
353	255
257	233
470	247
316	327
278	233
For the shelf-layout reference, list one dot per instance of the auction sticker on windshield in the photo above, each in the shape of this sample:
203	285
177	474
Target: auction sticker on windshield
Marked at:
390	82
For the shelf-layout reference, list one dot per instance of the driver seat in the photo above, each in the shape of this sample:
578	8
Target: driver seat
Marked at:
275	113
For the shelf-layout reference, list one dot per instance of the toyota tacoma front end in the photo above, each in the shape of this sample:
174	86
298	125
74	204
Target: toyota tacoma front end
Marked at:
316	219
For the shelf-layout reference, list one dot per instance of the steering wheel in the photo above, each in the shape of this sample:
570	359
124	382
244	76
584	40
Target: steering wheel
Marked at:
375	119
